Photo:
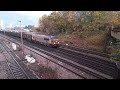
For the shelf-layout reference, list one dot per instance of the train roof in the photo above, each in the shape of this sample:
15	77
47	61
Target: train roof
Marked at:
40	33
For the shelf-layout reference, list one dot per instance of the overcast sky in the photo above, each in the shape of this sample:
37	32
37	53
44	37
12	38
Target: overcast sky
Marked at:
27	17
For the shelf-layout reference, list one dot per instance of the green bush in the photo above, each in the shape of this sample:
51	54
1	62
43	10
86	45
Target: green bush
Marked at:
118	51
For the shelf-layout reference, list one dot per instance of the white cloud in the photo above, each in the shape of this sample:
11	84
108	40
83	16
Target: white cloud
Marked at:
19	25
36	14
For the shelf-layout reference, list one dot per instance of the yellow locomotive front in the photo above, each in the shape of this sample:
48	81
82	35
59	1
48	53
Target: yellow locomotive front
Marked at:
55	41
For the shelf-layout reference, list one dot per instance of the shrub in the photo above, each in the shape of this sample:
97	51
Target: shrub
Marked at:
97	40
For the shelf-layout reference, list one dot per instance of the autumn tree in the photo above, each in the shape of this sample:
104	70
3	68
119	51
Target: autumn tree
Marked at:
76	21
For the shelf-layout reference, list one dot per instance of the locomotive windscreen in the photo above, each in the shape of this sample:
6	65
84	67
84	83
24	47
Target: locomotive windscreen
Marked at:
54	37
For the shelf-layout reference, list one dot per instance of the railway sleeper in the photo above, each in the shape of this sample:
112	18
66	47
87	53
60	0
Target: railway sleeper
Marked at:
16	70
19	74
21	77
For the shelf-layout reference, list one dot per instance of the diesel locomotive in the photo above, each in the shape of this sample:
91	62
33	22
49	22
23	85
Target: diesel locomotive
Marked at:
37	37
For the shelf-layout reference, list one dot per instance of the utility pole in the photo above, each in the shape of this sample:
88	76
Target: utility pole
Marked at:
21	41
4	35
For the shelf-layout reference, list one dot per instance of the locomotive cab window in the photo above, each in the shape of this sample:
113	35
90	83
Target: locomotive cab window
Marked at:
46	39
54	37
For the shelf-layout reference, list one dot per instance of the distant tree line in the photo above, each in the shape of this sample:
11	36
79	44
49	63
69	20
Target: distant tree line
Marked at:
59	22
29	27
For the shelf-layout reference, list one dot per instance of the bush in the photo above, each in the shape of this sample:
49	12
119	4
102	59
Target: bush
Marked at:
97	40
118	51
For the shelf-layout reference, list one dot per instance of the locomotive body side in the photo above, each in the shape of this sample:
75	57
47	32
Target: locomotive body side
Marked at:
27	36
42	39
48	40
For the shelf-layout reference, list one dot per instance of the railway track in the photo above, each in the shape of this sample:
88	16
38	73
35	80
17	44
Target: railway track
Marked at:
87	71
100	65
69	63
106	67
14	66
86	51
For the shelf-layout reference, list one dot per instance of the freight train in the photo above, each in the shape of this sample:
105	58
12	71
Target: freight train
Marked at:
37	37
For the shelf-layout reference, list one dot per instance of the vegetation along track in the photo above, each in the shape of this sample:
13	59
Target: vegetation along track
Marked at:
14	66
33	45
